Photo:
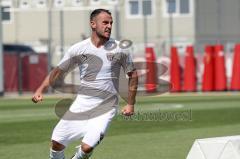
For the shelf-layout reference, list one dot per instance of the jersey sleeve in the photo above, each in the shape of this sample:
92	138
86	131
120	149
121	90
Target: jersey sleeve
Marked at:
127	62
68	62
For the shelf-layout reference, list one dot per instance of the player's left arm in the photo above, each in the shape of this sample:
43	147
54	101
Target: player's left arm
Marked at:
128	110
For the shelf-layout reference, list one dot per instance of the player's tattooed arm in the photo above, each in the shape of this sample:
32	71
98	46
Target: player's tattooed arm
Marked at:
132	91
56	77
132	87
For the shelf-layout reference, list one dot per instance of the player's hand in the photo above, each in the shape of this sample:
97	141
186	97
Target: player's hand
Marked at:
128	110
37	97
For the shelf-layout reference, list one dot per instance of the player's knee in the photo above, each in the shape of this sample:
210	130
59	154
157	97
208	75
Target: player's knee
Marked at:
56	146
86	148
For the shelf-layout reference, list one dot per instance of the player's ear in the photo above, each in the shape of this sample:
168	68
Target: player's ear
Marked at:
93	24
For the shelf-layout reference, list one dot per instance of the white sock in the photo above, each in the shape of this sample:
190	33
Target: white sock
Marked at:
56	154
81	155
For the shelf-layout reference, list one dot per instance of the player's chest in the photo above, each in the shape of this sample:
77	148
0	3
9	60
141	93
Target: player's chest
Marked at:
101	58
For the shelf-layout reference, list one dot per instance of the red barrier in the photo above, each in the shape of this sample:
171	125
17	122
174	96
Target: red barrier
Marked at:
175	75
220	79
151	75
11	72
235	81
189	75
24	72
208	74
35	70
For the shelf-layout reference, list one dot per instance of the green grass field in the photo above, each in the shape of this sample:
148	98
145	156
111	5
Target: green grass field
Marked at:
25	128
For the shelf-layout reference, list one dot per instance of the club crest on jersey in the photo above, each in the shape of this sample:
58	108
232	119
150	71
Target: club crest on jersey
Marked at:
110	56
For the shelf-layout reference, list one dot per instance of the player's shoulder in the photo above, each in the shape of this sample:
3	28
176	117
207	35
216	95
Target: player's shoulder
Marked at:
121	47
80	45
114	45
114	41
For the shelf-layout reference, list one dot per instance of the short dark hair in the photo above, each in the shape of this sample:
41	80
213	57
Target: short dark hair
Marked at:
98	11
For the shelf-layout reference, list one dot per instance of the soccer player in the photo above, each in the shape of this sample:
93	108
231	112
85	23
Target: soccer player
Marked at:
100	59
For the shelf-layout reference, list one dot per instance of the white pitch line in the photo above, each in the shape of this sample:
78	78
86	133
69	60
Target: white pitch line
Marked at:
161	106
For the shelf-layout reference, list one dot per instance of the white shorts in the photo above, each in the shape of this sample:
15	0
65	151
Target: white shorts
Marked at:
91	130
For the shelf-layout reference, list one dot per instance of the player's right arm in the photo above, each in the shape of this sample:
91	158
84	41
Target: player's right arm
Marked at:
54	75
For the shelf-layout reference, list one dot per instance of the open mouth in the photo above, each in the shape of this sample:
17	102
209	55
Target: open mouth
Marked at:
108	31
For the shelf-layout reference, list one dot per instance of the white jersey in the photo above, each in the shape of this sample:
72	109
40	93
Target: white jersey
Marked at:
99	71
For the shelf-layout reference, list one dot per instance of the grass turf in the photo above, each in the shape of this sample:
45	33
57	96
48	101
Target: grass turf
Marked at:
25	128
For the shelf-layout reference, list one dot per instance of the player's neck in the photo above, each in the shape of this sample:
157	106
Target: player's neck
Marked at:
98	42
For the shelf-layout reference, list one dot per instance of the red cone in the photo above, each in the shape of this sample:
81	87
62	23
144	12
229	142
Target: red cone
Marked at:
189	76
151	75
175	77
220	79
235	82
208	76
